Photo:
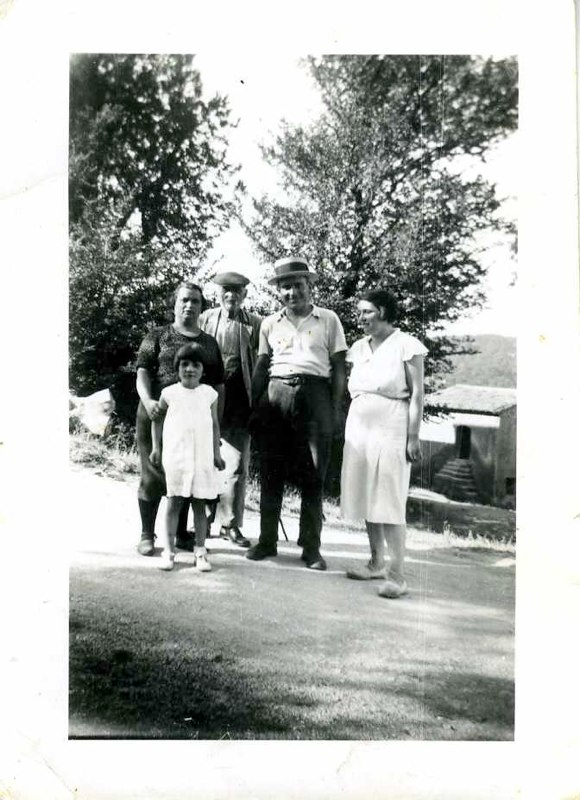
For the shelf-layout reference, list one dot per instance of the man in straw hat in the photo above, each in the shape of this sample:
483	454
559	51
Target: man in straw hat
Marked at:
236	331
298	386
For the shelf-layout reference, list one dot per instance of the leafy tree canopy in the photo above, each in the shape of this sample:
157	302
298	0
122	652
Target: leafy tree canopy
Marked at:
145	143
150	188
373	194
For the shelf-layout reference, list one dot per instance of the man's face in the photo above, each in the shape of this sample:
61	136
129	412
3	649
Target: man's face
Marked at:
232	298
295	293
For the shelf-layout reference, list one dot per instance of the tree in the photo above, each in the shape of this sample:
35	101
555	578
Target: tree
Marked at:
373	190
150	187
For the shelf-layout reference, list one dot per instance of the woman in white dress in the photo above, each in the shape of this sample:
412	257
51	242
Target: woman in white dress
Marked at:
186	442
382	436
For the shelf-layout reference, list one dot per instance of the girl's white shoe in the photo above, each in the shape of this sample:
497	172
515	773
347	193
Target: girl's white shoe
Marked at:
201	563
167	560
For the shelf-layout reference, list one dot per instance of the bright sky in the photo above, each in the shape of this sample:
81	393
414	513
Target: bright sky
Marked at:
261	92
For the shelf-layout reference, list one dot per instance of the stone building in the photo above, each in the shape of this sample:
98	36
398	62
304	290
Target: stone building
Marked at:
469	444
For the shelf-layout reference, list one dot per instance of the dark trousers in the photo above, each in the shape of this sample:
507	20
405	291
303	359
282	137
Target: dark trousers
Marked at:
295	433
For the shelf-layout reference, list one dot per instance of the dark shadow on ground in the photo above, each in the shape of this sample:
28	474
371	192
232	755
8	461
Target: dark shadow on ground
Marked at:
261	655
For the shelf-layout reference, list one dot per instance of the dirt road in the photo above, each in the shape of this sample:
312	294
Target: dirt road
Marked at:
273	650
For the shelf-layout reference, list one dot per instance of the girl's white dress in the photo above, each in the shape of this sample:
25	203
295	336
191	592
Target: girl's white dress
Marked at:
375	471
187	454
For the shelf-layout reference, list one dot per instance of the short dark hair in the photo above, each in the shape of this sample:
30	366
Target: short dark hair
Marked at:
382	298
188	285
190	352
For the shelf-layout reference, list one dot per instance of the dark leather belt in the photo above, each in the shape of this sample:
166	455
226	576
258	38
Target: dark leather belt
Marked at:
299	380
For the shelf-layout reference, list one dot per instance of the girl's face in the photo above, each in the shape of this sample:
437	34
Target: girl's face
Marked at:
190	373
369	318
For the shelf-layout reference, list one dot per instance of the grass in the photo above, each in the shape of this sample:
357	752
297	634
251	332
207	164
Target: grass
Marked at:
112	456
115	456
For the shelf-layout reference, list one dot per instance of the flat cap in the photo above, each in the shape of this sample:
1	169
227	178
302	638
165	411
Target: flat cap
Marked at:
230	279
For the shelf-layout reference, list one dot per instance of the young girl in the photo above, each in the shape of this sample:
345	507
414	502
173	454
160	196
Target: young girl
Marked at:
186	442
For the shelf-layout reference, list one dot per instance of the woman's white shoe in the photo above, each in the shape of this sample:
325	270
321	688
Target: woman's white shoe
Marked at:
393	588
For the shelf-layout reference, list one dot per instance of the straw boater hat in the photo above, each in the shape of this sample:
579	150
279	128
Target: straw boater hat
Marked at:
230	279
292	268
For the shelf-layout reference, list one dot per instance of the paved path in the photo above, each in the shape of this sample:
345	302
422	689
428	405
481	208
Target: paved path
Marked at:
273	650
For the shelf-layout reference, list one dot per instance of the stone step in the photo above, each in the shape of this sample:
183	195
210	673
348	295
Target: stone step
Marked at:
455	480
449	473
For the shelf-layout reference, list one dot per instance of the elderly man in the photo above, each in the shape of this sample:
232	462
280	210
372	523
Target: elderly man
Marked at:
297	388
236	331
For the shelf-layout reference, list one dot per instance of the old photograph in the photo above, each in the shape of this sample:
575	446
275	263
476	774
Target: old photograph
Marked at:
293	397
290	314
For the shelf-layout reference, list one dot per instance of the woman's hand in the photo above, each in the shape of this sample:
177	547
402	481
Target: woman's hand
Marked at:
218	462
153	409
155	457
413	448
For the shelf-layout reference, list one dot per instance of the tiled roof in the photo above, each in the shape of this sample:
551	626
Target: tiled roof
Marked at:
472	399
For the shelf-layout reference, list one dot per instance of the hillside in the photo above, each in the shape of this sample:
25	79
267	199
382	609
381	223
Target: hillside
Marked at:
494	364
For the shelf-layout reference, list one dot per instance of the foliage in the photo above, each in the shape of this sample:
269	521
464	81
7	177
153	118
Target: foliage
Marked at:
493	363
373	190
149	189
113	456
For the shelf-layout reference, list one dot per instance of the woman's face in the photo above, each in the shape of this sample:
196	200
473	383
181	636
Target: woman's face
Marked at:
187	306
369	318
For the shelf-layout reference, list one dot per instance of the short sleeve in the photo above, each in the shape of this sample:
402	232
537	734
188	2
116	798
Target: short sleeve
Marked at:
263	344
337	341
412	347
167	393
353	353
211	394
147	354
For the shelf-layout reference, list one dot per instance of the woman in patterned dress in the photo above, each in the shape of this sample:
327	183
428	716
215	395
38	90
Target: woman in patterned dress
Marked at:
155	371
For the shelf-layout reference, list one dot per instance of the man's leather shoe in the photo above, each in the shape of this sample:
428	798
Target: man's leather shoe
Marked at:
259	551
235	536
314	560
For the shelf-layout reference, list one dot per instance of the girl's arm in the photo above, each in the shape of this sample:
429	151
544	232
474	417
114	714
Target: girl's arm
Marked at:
414	373
157	434
217	459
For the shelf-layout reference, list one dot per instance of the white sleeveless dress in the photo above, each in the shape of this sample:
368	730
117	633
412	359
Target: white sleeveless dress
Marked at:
375	471
187	454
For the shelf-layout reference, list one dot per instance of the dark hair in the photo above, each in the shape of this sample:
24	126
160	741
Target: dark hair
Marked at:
382	298
190	352
188	285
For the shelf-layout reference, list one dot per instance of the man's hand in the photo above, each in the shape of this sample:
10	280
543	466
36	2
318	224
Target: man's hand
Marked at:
155	457
219	463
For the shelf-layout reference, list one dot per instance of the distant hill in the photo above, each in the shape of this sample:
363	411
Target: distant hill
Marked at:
494	364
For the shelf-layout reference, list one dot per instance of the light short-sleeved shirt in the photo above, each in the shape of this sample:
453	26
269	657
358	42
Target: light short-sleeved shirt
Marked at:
305	349
382	371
